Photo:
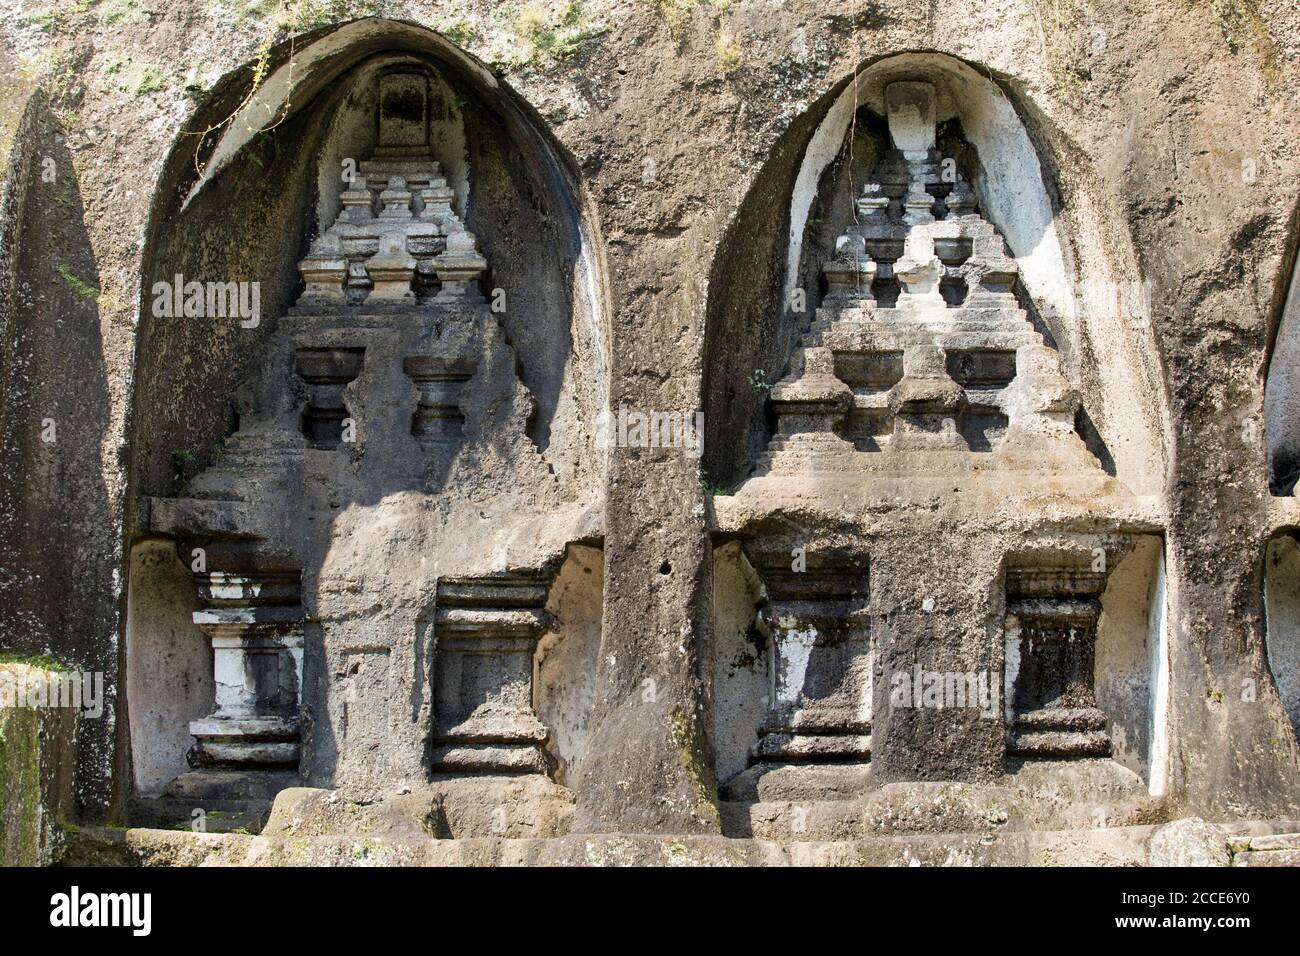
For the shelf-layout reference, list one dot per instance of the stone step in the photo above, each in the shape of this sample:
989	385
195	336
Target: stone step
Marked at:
1267	858
1277	849
1114	846
97	846
215	816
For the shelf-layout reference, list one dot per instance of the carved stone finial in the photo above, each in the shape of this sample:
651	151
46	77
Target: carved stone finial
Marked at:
396	200
459	267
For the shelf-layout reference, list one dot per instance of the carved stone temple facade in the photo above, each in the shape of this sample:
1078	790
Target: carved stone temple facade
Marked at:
987	554
390	378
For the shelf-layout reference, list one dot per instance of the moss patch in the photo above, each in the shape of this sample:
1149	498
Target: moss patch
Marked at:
1243	26
543	32
687	743
42	661
20	787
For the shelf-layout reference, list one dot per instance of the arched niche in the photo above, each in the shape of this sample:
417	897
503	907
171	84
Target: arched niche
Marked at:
1282	386
253	179
1282	615
472	464
1078	277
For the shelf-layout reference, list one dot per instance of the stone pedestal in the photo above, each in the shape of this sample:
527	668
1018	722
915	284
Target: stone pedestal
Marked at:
1051	638
817	621
254	622
926	403
486	631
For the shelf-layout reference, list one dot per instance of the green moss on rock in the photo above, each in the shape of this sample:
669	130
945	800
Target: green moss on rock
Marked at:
37	764
20	787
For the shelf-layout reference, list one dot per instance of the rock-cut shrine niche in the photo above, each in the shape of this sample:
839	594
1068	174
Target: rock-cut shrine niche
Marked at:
896	524
375	543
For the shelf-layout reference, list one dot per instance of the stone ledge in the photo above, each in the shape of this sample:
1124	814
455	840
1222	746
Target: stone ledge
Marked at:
1119	846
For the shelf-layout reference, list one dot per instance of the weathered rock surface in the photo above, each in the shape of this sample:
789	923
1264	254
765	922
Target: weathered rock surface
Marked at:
982	550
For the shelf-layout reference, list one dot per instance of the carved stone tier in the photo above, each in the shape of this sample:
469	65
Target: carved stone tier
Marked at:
396	235
1052	615
810	406
254	621
816	619
920	359
487	630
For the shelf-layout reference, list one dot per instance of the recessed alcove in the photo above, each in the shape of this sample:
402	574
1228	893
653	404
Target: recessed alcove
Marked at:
421	384
564	681
1282	609
169	665
271	182
1132	662
1086	657
742	683
1079	291
1282	391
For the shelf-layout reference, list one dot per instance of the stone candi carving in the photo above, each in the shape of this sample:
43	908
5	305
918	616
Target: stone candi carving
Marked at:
920	371
389	372
920	347
396	232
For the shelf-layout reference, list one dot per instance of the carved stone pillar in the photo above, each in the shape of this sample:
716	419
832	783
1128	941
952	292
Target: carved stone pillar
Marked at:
254	621
1051	636
817	621
486	631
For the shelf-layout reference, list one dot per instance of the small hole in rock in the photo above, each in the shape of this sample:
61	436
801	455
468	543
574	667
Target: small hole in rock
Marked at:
665	568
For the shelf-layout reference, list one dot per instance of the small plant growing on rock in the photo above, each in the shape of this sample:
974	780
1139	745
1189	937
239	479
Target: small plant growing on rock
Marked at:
41	661
549	32
758	381
56	18
150	80
730	54
182	458
677	12
83	289
126	11
459	32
